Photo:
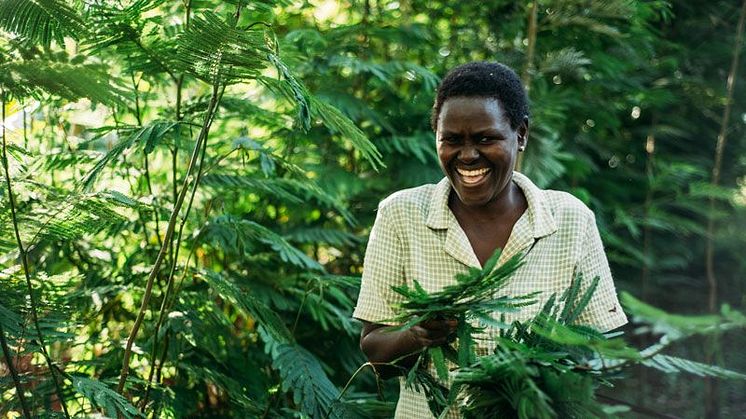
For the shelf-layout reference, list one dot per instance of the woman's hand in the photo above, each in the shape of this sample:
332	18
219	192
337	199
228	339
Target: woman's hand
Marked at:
383	346
434	332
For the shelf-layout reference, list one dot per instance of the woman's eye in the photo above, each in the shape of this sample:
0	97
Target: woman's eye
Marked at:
486	140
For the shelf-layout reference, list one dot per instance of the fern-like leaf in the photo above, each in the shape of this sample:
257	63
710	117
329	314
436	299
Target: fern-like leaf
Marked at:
291	191
149	136
101	396
312	390
675	326
671	364
40	21
68	81
248	305
214	51
299	93
341	125
82	214
232	233
566	62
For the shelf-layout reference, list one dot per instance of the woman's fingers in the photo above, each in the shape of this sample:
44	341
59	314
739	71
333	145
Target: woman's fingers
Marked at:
434	332
448	325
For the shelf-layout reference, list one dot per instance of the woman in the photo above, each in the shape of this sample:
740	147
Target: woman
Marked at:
432	232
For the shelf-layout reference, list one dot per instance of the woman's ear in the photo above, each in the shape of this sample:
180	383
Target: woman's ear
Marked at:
523	134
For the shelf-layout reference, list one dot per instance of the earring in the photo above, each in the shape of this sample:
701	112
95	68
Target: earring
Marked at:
521	148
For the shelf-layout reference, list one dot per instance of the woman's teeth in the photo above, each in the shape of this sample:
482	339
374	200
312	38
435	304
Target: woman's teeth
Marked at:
472	176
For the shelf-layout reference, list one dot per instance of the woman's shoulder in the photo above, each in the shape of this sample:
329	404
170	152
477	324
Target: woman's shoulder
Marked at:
560	204
564	205
409	200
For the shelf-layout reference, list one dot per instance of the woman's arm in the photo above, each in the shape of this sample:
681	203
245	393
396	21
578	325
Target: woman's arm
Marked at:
382	345
603	312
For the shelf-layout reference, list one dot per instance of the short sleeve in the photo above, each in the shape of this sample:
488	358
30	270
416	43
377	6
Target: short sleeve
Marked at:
604	311
383	267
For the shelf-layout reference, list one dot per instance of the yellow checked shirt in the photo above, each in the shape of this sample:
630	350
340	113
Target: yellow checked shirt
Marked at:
416	236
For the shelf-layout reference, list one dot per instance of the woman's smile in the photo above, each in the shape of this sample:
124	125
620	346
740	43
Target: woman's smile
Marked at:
473	177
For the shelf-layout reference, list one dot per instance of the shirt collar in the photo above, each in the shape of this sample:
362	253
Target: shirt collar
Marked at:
540	216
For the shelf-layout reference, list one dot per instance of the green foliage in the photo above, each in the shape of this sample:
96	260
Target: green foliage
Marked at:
339	124
65	80
101	396
319	118
147	137
240	237
213	51
302	374
40	21
677	326
472	296
81	214
671	364
249	305
547	367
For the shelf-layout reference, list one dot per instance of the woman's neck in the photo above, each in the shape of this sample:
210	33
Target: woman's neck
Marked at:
509	203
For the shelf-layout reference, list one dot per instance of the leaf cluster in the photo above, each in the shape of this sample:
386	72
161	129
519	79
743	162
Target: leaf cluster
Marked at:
549	366
472	296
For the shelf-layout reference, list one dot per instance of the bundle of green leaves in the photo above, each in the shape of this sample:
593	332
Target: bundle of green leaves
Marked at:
473	301
546	367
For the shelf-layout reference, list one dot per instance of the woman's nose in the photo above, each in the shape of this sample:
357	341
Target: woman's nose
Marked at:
468	153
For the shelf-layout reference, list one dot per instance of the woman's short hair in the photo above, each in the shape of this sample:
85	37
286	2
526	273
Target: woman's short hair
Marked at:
488	80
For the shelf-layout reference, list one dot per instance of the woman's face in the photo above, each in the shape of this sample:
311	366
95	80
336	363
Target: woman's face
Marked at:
477	148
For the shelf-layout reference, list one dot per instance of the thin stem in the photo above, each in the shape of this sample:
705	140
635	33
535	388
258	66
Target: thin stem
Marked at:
24	261
179	118
14	374
300	310
175	154
531	47
166	305
347	385
712	407
148	183
188	14
169	235
25	131
169	288
156	212
136	86
717	166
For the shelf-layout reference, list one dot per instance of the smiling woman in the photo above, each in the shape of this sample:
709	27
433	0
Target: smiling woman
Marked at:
433	232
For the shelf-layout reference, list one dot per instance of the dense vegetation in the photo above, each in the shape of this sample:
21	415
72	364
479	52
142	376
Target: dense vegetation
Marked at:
188	185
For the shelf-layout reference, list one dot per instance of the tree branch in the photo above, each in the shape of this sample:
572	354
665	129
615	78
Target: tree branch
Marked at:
14	374
169	235
24	261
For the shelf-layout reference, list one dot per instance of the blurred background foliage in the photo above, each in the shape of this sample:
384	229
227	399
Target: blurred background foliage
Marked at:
189	185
